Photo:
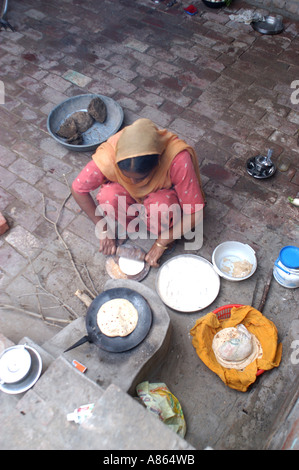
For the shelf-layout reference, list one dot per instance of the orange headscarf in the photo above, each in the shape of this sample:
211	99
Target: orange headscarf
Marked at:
142	138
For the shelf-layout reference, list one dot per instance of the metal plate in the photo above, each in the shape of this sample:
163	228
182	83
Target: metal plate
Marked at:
187	283
119	344
97	133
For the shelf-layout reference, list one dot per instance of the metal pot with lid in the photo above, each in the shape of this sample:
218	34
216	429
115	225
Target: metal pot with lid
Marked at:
15	363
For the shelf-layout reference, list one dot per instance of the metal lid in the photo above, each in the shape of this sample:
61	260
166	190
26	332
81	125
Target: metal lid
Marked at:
289	256
15	363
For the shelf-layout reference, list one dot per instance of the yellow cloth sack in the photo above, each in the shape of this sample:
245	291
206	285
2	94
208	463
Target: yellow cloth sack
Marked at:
205	329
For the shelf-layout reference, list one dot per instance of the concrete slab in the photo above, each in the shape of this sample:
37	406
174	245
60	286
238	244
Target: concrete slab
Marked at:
136	429
124	369
38	419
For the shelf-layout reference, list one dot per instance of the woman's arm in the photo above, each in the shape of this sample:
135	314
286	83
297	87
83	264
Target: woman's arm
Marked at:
166	238
87	204
89	179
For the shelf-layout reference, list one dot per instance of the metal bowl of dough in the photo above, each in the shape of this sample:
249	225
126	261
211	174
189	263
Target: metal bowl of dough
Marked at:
234	261
97	133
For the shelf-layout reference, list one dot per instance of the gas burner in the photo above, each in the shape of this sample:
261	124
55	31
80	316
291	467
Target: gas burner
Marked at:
260	166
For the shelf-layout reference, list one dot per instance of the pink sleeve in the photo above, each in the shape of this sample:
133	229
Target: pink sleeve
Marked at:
89	179
185	183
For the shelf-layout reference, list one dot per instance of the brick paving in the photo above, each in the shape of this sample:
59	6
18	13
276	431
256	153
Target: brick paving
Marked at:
215	82
284	7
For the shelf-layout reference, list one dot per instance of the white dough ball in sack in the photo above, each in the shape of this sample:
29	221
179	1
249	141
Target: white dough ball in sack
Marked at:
233	344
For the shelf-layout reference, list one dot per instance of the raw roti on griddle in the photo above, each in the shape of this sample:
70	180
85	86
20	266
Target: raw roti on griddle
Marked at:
117	317
131	267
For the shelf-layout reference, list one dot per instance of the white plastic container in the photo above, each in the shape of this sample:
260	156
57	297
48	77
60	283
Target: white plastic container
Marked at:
286	267
228	254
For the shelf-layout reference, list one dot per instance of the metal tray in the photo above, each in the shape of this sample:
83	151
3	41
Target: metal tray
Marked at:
188	286
265	173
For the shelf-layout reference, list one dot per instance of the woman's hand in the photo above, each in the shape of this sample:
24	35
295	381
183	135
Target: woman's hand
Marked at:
155	254
108	246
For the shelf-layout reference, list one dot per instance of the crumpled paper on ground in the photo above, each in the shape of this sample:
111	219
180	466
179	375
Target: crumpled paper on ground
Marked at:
160	401
247	16
205	329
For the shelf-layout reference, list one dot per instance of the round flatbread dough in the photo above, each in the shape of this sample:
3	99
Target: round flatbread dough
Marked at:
131	267
228	337
117	317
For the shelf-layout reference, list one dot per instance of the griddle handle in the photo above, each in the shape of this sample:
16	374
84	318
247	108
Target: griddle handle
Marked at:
83	340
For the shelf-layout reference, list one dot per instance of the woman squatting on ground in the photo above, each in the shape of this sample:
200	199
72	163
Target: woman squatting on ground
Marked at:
144	175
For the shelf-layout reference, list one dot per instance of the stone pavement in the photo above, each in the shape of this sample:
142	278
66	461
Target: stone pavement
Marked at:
288	8
225	89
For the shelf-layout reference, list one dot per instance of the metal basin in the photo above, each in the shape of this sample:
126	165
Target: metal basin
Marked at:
269	25
97	133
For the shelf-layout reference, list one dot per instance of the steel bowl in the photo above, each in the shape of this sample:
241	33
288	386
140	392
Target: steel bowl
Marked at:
15	363
29	379
226	254
269	25
97	133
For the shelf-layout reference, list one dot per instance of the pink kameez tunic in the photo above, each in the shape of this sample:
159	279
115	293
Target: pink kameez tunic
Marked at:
184	195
